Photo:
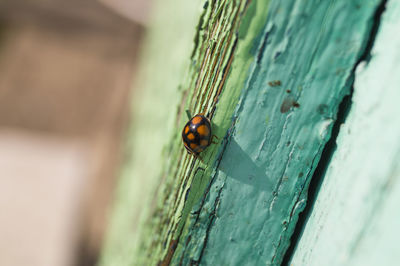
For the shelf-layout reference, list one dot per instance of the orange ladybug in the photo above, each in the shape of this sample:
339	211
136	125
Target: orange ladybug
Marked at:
196	134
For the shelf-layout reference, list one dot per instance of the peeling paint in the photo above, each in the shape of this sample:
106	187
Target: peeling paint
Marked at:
251	211
271	75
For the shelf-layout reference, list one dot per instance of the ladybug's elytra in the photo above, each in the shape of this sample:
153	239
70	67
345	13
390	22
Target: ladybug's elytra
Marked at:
196	134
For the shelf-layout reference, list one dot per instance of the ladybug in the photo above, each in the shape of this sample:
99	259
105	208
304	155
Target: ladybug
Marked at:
196	134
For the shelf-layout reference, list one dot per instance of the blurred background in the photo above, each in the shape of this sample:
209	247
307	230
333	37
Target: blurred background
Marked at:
66	73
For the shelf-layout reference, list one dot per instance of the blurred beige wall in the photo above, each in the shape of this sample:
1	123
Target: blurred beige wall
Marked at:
42	182
66	70
131	9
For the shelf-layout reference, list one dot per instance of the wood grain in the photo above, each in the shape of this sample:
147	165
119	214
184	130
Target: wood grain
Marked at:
271	75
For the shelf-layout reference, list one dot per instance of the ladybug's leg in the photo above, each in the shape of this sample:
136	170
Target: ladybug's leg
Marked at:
189	115
199	157
213	141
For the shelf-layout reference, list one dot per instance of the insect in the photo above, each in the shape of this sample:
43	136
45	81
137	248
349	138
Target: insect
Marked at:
196	134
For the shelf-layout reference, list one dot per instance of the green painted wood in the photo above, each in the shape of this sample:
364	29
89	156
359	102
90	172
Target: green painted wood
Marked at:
156	96
261	181
271	75
355	219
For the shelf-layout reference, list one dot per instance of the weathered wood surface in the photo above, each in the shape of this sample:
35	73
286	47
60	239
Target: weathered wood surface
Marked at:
356	219
164	63
271	75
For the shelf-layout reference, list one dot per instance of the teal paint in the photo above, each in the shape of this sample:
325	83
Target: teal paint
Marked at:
355	219
260	177
260	182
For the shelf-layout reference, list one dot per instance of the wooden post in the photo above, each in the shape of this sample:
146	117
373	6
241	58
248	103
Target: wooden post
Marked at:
271	75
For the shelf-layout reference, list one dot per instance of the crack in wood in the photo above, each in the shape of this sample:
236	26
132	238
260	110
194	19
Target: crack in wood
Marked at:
330	146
